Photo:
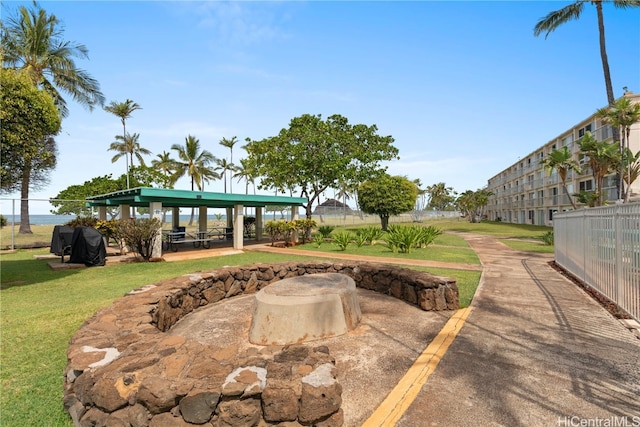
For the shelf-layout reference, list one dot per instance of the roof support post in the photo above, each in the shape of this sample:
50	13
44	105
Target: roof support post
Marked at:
259	223
175	217
125	212
294	217
102	213
202	219
238	227
155	209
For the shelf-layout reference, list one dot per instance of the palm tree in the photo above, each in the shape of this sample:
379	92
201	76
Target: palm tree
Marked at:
229	143
32	40
604	158
561	160
223	167
440	196
127	147
621	115
165	164
241	172
123	110
573	11
193	163
631	170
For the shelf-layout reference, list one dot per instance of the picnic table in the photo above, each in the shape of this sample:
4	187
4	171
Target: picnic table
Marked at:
171	239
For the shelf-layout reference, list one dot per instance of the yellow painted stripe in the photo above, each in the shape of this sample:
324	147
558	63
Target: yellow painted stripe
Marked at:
404	393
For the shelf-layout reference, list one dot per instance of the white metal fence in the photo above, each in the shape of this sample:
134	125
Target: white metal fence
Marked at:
601	246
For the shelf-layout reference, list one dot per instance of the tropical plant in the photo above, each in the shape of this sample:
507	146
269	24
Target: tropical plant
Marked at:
573	11
71	200
441	196
604	158
127	146
547	238
165	164
242	172
359	238
3	221
562	161
621	115
325	230
193	163
370	234
342	239
428	235
473	203
304	226
401	238
223	166
318	239
229	143
33	40
386	196
123	110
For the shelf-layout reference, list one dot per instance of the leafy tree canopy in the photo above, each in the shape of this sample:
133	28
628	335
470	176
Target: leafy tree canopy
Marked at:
387	195
29	118
313	154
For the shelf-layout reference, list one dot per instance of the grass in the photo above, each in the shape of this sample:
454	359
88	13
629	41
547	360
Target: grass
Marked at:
41	309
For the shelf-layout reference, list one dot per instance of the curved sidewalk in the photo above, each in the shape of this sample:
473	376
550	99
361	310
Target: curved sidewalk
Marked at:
536	350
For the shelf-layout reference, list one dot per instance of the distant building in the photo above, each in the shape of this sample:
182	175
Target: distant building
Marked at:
332	207
525	193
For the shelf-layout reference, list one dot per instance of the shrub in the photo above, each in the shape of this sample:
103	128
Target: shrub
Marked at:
325	230
359	238
547	238
304	226
140	234
342	239
108	228
318	239
3	221
280	230
428	235
83	221
402	239
371	234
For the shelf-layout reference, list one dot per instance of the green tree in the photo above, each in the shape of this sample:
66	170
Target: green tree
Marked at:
33	40
124	111
386	196
128	147
573	11
229	143
29	120
194	163
314	154
440	196
165	164
561	160
241	172
604	158
621	115
223	166
473	203
71	200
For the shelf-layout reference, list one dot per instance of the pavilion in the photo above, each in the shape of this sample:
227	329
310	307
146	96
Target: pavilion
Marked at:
158	198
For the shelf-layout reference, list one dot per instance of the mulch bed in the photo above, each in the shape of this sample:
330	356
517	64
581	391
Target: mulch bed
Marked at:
605	302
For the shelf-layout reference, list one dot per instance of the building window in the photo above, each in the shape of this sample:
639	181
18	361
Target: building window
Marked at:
584	130
586	185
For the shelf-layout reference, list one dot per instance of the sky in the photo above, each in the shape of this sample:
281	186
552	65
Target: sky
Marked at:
463	87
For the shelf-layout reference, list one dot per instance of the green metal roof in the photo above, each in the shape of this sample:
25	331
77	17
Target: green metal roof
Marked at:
142	196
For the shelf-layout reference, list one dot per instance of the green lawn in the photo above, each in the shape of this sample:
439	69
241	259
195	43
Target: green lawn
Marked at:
40	309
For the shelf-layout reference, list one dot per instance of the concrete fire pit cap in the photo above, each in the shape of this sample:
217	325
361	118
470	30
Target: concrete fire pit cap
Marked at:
305	308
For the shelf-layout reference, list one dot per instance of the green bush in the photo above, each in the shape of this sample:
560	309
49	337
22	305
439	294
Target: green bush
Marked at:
547	238
371	234
325	230
403	239
318	239
304	227
280	230
83	221
342	239
428	235
140	234
359	238
3	221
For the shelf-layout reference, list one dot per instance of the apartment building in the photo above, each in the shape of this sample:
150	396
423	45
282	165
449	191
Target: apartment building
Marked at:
526	193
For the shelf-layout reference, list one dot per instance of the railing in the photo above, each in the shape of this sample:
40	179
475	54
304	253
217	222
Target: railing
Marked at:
601	246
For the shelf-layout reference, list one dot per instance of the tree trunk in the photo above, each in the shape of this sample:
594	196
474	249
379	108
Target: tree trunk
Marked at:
603	54
25	227
573	204
384	222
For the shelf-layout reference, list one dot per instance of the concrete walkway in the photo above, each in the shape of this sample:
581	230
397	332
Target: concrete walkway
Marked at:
535	351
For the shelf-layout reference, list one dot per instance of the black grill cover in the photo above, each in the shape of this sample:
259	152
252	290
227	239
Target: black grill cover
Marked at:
87	247
62	237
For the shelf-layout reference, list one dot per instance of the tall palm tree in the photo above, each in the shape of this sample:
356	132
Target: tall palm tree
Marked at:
229	143
223	167
128	146
621	115
193	163
573	11
562	161
604	158
33	41
123	110
242	172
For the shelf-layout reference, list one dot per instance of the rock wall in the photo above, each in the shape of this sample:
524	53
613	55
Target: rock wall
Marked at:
123	370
